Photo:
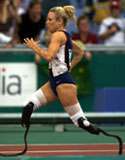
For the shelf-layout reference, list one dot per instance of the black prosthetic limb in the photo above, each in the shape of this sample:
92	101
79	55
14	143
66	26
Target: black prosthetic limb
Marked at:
21	152
26	114
25	121
92	128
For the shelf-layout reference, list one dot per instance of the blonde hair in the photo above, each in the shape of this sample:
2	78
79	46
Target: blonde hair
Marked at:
66	13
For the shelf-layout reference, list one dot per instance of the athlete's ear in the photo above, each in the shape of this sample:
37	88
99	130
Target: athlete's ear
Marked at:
60	21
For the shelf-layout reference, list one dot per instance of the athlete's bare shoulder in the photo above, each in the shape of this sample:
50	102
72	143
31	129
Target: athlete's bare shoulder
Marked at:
60	36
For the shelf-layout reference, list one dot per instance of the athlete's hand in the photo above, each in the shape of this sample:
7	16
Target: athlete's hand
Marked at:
30	43
70	69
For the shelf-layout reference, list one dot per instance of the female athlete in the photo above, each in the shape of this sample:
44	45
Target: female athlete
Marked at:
60	85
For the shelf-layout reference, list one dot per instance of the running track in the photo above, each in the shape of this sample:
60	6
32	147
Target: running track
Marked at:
63	150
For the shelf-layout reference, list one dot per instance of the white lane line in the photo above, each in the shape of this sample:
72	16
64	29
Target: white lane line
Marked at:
63	151
60	144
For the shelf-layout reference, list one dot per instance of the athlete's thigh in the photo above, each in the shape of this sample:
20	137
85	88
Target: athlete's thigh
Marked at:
49	94
67	94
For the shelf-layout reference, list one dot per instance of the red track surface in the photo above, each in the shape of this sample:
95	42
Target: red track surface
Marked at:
63	150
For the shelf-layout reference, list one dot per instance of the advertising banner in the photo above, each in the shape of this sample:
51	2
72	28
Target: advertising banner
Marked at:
17	82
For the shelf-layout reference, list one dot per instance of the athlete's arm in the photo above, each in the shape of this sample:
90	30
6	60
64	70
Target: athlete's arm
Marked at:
56	41
78	54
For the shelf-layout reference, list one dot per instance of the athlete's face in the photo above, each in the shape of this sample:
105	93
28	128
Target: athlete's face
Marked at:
52	23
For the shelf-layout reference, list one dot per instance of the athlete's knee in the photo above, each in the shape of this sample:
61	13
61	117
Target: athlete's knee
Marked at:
80	121
34	101
38	99
77	116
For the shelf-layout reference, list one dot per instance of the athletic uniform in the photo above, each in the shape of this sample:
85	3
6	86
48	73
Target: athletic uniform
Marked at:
59	67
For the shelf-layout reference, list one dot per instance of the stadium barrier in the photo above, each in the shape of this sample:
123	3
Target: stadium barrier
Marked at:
20	76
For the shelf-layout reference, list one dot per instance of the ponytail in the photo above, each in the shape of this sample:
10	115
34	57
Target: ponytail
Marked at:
66	13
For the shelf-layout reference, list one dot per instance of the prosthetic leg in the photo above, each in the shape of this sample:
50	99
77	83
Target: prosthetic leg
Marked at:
91	128
26	114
